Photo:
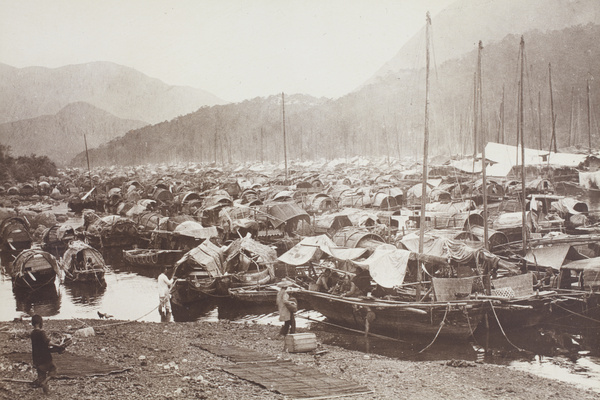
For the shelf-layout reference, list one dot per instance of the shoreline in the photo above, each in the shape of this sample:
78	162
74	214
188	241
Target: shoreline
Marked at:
163	360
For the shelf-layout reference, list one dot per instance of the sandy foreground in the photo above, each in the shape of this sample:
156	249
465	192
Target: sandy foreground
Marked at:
173	366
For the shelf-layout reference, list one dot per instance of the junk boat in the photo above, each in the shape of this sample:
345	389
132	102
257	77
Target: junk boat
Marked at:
33	269
152	257
15	235
83	263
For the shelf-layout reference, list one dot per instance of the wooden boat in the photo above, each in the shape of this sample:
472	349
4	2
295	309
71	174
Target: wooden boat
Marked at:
209	271
578	288
55	240
452	319
33	269
110	231
254	295
152	257
15	235
196	275
514	304
83	263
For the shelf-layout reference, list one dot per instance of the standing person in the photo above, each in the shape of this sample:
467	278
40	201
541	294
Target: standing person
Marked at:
41	354
164	293
286	308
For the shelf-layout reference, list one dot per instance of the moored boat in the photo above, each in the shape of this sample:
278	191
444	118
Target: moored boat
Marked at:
83	263
55	240
196	274
15	235
110	231
452	319
33	269
152	257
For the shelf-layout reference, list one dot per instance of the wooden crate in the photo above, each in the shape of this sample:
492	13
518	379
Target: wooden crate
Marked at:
300	342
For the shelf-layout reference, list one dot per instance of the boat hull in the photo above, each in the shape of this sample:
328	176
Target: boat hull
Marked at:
398	318
152	257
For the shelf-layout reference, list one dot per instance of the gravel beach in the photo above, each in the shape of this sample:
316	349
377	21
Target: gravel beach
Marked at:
163	361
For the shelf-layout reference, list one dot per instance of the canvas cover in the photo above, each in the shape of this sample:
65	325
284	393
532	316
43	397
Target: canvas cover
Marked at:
312	247
207	256
387	265
195	230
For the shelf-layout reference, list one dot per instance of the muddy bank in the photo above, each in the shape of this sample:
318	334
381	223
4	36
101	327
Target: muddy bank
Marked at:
173	366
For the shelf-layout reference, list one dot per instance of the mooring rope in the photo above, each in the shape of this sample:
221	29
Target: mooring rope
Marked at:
579	315
439	330
502	329
125	322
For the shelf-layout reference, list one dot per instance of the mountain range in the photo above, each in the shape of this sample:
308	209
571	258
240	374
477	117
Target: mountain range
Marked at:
61	136
458	28
384	116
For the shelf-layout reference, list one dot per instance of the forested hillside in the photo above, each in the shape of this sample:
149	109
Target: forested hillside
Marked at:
386	118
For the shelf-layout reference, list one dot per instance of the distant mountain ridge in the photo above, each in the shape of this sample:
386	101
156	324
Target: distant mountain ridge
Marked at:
122	91
386	117
458	28
60	136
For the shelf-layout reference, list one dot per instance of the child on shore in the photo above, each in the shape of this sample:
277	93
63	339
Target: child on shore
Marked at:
41	348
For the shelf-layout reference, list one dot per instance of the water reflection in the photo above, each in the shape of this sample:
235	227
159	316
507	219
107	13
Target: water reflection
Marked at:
85	293
44	301
233	310
193	311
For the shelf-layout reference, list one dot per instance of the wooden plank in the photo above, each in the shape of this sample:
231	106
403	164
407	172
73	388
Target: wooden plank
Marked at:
296	381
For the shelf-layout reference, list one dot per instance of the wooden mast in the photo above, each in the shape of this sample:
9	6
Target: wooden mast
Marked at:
589	119
284	139
571	120
425	151
552	115
524	232
480	132
87	156
540	146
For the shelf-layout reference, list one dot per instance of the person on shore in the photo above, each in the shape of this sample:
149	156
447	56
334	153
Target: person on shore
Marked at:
41	354
164	293
287	307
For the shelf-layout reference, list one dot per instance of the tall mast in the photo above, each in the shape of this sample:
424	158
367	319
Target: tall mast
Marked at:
284	140
87	156
553	140
540	120
500	136
261	145
520	125
571	120
589	119
425	151
215	148
480	131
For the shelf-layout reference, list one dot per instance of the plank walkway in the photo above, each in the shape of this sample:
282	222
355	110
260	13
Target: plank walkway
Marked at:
285	377
71	365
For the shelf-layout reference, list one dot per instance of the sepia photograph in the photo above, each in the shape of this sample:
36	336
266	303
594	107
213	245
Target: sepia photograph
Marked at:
300	199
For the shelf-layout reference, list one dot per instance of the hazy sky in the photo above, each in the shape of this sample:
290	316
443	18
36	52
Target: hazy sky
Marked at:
235	49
